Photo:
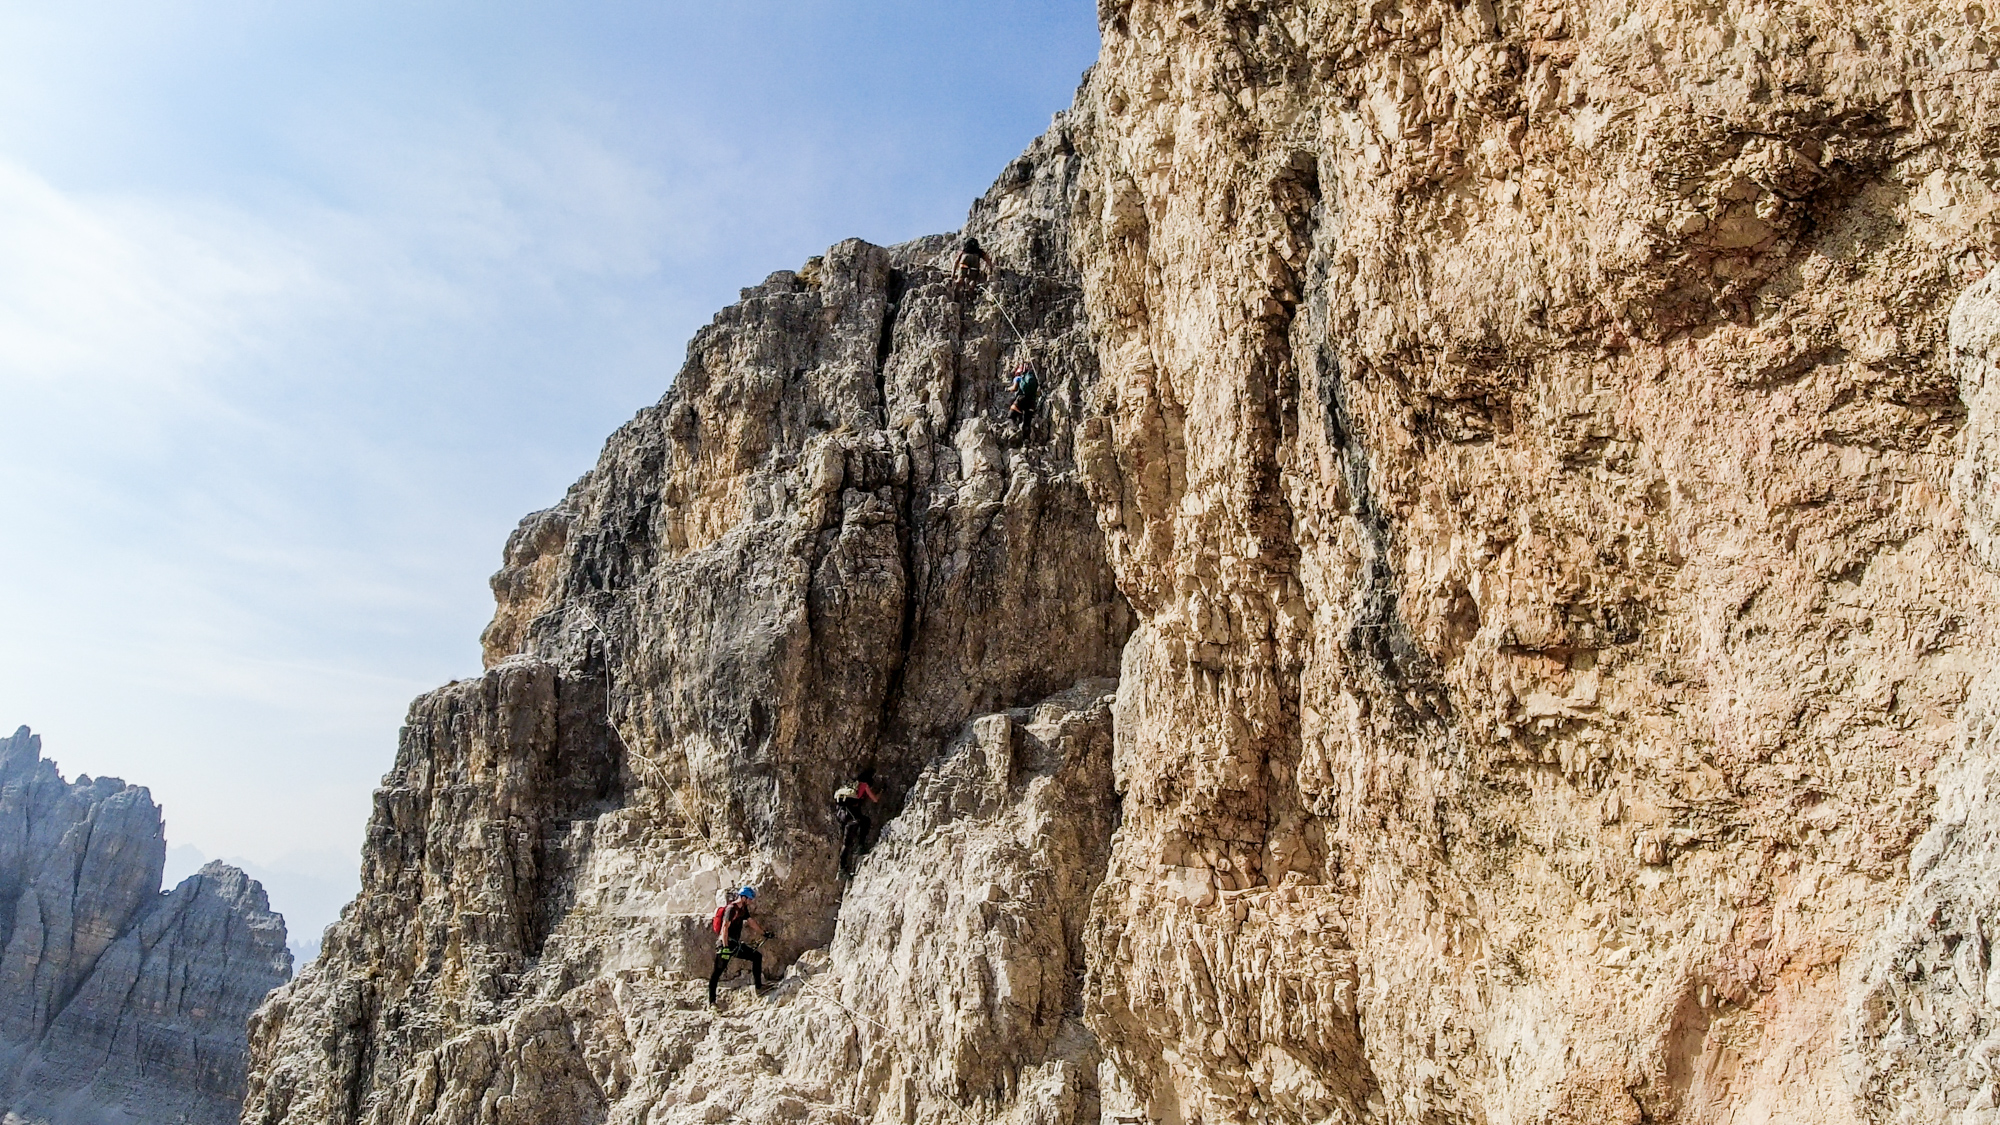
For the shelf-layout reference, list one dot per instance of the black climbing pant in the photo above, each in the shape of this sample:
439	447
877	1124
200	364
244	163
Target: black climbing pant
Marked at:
723	953
854	826
1023	412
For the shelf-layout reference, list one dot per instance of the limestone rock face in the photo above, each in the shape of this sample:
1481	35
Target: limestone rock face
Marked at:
824	550
1518	477
120	1004
1926	1016
1533	434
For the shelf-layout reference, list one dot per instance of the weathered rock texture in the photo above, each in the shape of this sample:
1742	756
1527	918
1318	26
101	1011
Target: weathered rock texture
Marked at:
821	551
1925	1033
1553	499
1534	426
119	1004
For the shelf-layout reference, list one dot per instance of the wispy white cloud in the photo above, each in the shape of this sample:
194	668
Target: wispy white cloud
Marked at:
122	304
222	499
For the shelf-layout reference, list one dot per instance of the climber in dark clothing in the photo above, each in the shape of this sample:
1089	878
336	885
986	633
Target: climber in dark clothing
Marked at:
730	922
969	272
852	814
1027	393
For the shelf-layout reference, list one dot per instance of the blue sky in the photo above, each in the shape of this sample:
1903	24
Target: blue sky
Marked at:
303	304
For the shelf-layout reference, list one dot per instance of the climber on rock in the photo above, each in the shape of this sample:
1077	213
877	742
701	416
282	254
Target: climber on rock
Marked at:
852	814
730	921
1027	390
969	272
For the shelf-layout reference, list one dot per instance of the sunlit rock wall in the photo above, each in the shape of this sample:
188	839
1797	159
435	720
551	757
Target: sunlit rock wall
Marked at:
824	550
1533	434
1491	624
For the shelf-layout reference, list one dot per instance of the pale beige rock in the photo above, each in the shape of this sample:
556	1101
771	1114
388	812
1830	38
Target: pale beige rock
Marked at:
1525	445
1925	1020
1529	468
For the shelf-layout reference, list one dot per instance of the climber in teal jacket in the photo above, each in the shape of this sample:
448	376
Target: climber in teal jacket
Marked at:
1027	390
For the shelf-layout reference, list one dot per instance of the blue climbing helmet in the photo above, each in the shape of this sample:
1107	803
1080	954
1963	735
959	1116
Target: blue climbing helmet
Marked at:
747	892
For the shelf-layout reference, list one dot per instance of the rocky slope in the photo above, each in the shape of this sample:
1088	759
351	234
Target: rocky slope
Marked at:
1520	468
119	1003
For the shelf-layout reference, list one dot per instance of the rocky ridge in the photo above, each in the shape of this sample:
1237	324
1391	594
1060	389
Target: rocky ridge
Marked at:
118	1003
1493	624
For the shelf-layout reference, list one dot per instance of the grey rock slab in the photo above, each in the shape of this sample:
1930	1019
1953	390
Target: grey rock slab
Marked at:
119	1004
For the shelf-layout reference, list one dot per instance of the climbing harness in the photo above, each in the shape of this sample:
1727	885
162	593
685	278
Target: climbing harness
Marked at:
1028	396
726	950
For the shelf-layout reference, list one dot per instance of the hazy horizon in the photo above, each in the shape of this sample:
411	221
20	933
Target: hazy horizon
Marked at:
304	308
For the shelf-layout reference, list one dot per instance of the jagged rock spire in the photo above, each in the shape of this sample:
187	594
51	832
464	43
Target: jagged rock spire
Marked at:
118	1002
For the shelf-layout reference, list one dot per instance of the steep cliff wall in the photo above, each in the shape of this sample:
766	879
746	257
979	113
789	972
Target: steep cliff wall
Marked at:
1926	1017
823	550
1545	680
1533	433
121	1004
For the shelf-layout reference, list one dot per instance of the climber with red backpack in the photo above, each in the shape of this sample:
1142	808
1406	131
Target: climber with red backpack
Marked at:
852	814
731	918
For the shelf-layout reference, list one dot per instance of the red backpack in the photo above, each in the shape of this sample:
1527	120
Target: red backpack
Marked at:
715	923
